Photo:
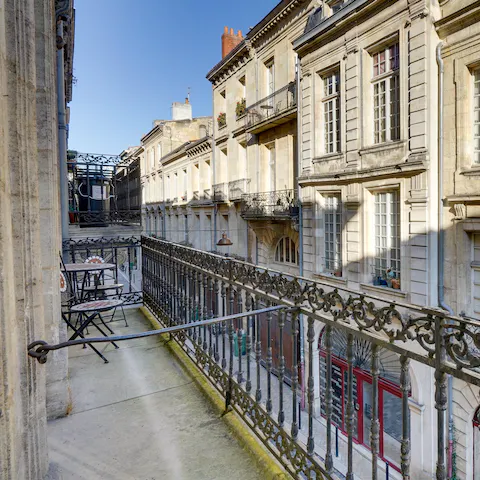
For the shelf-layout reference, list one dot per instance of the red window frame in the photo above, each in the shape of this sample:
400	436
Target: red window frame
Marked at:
383	385
476	424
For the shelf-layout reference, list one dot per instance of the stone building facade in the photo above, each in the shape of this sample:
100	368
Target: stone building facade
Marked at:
459	30
254	105
30	227
176	176
375	214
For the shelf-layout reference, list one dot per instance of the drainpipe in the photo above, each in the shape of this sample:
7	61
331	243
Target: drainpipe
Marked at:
62	127
300	225
215	209
441	243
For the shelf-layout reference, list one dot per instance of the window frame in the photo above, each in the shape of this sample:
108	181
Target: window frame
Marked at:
332	99
378	266
281	251
336	224
392	108
475	75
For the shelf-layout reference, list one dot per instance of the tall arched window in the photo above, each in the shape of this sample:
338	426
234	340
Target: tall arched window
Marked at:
476	444
389	393
286	251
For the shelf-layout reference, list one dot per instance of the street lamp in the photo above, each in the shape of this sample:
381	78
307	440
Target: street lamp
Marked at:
224	241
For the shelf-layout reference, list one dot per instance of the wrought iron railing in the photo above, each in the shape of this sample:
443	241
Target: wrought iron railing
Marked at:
220	192
279	203
271	106
183	285
103	190
124	252
238	188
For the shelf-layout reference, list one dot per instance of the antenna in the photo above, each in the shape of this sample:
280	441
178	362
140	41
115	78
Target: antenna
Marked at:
188	94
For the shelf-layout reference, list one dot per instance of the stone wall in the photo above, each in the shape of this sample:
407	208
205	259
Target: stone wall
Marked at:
28	249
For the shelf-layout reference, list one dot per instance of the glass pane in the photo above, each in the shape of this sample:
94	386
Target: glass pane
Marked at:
476	453
367	412
392	427
355	402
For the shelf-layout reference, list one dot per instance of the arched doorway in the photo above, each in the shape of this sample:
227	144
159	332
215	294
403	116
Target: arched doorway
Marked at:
389	393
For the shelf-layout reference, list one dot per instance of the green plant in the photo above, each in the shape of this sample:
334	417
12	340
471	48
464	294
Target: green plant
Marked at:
241	107
222	119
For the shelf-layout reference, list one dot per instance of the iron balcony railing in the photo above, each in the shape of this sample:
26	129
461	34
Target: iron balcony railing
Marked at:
123	252
220	192
103	190
238	188
276	204
241	323
344	330
271	106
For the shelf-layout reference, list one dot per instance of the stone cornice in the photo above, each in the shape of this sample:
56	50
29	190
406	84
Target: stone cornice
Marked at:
458	20
241	54
400	170
204	145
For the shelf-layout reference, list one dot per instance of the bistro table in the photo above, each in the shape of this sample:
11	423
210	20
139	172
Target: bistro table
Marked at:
73	269
88	311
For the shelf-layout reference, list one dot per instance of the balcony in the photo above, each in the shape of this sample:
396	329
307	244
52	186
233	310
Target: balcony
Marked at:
278	108
102	190
238	188
141	416
277	205
220	193
244	329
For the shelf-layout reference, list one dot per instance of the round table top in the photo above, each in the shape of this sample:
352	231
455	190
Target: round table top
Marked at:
88	267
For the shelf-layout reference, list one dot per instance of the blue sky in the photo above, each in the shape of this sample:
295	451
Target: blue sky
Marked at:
134	58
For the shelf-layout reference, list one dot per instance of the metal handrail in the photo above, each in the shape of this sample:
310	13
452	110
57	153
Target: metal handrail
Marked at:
272	105
39	349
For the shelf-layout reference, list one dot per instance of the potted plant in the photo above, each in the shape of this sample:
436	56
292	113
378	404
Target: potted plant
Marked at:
222	120
241	107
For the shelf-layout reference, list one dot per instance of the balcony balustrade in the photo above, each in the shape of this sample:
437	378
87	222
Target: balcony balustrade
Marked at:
238	188
103	190
220	193
242	325
279	204
277	108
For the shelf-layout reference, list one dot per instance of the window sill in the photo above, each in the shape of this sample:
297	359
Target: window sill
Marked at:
472	171
329	157
341	281
381	147
379	289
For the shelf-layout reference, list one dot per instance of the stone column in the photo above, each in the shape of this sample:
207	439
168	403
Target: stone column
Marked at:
27	163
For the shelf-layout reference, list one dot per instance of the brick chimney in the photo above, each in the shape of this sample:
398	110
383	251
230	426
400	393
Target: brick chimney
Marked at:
230	41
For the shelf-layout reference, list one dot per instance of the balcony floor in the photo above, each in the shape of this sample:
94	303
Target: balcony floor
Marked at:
141	417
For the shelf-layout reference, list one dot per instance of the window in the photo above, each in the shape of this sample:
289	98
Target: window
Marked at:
159	152
152	159
270	77
476	278
335	5
331	112
243	84
476	115
387	239
476	444
286	251
389	393
386	94
333	235
271	168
